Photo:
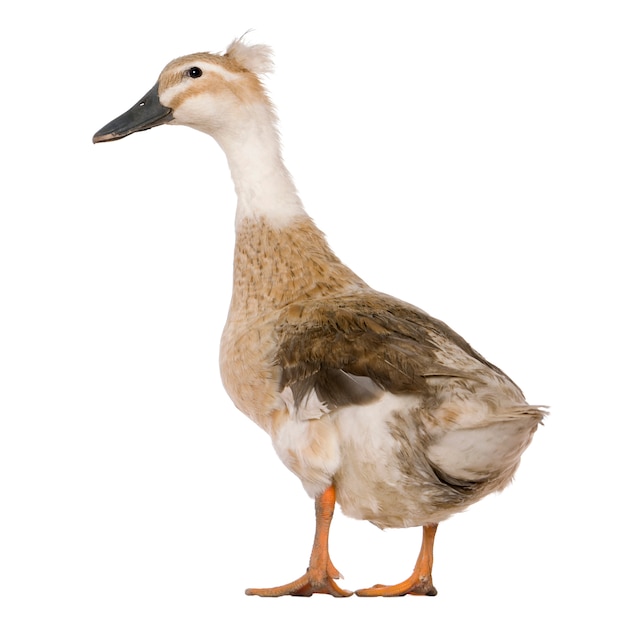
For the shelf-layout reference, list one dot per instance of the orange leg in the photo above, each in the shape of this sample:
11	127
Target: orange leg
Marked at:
420	583
320	574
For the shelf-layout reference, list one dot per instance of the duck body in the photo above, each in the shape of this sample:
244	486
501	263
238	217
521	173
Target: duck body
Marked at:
368	400
362	390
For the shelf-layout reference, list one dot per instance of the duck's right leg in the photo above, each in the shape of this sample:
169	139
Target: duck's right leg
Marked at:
321	572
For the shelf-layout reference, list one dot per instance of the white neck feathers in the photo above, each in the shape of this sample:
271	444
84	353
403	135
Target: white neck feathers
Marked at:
263	185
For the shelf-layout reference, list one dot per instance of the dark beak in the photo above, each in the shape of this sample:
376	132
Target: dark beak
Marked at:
145	114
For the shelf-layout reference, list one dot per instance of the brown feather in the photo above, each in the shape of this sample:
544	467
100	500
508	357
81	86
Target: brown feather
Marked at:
367	335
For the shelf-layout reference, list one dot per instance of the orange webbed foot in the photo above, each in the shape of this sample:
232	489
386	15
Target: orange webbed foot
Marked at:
412	586
420	583
306	585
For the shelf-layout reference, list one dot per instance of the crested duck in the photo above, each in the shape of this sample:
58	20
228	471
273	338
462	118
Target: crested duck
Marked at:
370	401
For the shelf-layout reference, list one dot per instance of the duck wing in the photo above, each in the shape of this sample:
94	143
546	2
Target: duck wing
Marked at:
348	350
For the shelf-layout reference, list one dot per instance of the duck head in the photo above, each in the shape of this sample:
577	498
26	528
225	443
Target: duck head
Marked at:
203	91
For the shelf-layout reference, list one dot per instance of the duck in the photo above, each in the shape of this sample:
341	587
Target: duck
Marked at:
371	402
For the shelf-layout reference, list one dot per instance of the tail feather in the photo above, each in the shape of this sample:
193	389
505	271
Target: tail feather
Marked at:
491	448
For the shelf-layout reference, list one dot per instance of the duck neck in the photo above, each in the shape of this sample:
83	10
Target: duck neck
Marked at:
276	266
263	185
280	255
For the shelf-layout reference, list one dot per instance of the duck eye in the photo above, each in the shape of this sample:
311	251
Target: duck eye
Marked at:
194	72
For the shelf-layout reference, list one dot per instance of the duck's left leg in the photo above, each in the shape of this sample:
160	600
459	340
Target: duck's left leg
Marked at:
420	583
320	574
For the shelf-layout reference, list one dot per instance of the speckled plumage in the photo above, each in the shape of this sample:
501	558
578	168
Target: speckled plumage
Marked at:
312	353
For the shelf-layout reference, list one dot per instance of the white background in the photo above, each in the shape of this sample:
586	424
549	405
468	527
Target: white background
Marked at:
465	156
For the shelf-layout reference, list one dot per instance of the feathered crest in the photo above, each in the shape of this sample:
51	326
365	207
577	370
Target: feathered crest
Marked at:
254	58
